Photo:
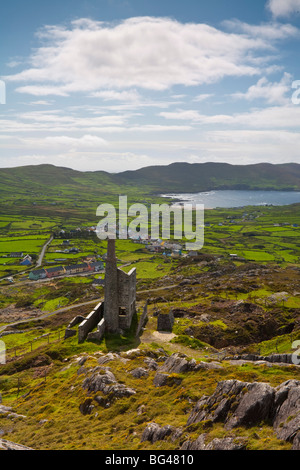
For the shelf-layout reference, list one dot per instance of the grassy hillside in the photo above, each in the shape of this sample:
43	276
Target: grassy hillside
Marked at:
175	177
223	307
195	177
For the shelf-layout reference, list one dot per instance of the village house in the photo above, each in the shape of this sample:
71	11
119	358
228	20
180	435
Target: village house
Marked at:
155	247
26	261
17	254
77	268
37	274
55	271
176	254
94	266
72	250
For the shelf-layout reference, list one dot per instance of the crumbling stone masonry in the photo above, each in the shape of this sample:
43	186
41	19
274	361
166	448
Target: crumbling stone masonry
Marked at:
119	295
90	322
165	321
116	312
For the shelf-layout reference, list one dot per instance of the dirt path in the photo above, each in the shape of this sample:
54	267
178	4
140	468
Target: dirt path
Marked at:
163	340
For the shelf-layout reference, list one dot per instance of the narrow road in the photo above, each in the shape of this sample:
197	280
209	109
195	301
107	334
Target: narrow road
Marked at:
42	254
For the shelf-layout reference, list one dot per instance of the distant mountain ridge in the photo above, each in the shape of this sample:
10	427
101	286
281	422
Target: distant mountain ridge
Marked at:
175	178
194	177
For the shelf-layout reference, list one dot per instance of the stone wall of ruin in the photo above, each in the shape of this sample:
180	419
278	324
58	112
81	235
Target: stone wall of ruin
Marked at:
126	296
90	322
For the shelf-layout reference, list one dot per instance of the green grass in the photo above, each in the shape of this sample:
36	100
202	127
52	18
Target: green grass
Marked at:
279	345
192	343
56	399
79	280
150	269
24	244
55	304
257	255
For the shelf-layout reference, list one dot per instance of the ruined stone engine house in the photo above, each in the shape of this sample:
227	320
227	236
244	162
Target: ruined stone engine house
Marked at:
116	312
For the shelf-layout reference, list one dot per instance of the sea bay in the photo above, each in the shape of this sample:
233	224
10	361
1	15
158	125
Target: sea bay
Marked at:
237	198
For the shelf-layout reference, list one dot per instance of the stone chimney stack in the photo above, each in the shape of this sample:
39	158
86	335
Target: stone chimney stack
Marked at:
111	305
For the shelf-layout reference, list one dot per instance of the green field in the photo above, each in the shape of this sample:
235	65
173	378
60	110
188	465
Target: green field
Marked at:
252	238
26	244
259	234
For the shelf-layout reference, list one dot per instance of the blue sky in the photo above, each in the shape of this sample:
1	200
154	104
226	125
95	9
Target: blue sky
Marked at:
122	84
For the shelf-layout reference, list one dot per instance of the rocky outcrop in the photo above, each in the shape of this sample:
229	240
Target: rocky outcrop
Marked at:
139	372
161	380
227	443
103	380
107	358
237	403
178	364
8	445
153	432
151	363
8	412
253	406
86	407
175	364
287	412
273	358
296	442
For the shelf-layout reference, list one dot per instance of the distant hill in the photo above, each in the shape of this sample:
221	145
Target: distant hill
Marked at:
176	178
186	177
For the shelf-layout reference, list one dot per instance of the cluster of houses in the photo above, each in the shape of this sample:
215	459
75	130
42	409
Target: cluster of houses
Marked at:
159	246
71	250
75	232
46	272
25	260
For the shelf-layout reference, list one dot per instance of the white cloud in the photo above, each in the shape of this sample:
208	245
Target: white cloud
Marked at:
272	117
112	162
203	97
186	115
40	90
144	52
272	93
271	31
13	63
112	95
158	128
41	103
83	142
251	146
51	123
283	8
